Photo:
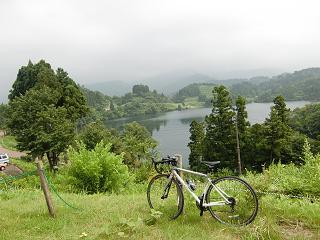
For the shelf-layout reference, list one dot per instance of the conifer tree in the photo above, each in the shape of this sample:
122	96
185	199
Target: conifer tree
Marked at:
278	130
196	144
220	142
242	116
242	127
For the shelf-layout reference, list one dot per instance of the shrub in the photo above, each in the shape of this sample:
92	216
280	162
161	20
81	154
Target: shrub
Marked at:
97	170
291	179
144	172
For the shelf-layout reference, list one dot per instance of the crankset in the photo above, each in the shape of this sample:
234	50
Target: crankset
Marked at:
200	205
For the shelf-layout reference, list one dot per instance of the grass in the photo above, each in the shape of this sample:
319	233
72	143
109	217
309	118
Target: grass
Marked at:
171	106
8	142
24	165
193	102
24	216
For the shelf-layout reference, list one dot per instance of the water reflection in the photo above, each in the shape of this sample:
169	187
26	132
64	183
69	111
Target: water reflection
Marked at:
187	121
152	123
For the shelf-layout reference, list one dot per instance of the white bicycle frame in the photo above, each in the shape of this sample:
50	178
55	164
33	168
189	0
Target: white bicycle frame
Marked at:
220	191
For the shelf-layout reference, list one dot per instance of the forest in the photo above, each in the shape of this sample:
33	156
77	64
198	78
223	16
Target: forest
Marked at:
300	85
279	139
140	101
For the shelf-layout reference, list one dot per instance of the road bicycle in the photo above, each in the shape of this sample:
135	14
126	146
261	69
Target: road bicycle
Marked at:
229	199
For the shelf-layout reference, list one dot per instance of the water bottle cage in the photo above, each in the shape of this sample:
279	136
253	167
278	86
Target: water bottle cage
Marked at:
191	185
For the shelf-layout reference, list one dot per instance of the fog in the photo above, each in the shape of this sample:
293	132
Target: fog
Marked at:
129	40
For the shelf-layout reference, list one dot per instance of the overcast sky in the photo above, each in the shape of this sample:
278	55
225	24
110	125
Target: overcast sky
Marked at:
131	39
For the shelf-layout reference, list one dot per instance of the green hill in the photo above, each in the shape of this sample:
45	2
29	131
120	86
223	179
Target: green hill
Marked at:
300	85
140	101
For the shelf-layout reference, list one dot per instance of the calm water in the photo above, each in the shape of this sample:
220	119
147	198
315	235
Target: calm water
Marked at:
171	129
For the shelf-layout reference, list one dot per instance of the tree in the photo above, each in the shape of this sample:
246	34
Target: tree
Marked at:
278	131
43	113
306	120
27	78
196	145
138	144
242	125
40	127
93	134
140	89
3	115
202	98
242	116
259	151
220	130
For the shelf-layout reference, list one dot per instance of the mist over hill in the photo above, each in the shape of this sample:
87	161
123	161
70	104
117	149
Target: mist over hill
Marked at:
169	83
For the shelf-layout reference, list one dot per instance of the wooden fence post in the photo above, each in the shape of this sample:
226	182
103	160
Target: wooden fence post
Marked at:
179	163
45	187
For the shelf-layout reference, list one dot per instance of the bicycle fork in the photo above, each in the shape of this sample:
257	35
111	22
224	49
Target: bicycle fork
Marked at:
167	189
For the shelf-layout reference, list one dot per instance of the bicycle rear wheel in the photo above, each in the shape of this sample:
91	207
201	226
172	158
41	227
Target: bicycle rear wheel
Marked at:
165	195
242	205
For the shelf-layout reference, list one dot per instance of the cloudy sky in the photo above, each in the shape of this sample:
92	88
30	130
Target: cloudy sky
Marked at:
135	39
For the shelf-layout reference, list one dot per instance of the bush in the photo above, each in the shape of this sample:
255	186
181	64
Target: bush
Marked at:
291	179
97	170
144	172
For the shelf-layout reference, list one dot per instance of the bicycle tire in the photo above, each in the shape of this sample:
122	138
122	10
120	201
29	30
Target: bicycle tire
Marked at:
156	190
244	202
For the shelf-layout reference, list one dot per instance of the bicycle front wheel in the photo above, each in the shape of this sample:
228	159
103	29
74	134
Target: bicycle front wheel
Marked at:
237	201
165	195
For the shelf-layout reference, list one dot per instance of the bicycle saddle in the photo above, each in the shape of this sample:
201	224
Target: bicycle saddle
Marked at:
210	164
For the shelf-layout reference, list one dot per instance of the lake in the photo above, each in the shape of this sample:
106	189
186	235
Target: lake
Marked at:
171	129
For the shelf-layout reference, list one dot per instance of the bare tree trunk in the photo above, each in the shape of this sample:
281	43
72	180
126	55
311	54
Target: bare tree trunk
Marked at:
50	160
238	150
272	149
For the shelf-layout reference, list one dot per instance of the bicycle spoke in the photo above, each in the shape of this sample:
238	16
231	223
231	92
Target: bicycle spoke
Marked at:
165	196
242	203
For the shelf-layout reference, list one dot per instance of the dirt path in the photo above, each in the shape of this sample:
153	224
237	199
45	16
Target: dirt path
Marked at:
13	154
12	170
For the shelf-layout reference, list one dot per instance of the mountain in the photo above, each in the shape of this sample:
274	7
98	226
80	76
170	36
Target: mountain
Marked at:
168	83
111	88
299	85
171	82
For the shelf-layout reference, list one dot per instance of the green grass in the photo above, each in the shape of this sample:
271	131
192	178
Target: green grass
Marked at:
171	106
24	216
24	165
192	102
8	142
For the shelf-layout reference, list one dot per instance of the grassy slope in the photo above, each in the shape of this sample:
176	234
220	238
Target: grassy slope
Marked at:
193	102
8	142
25	217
